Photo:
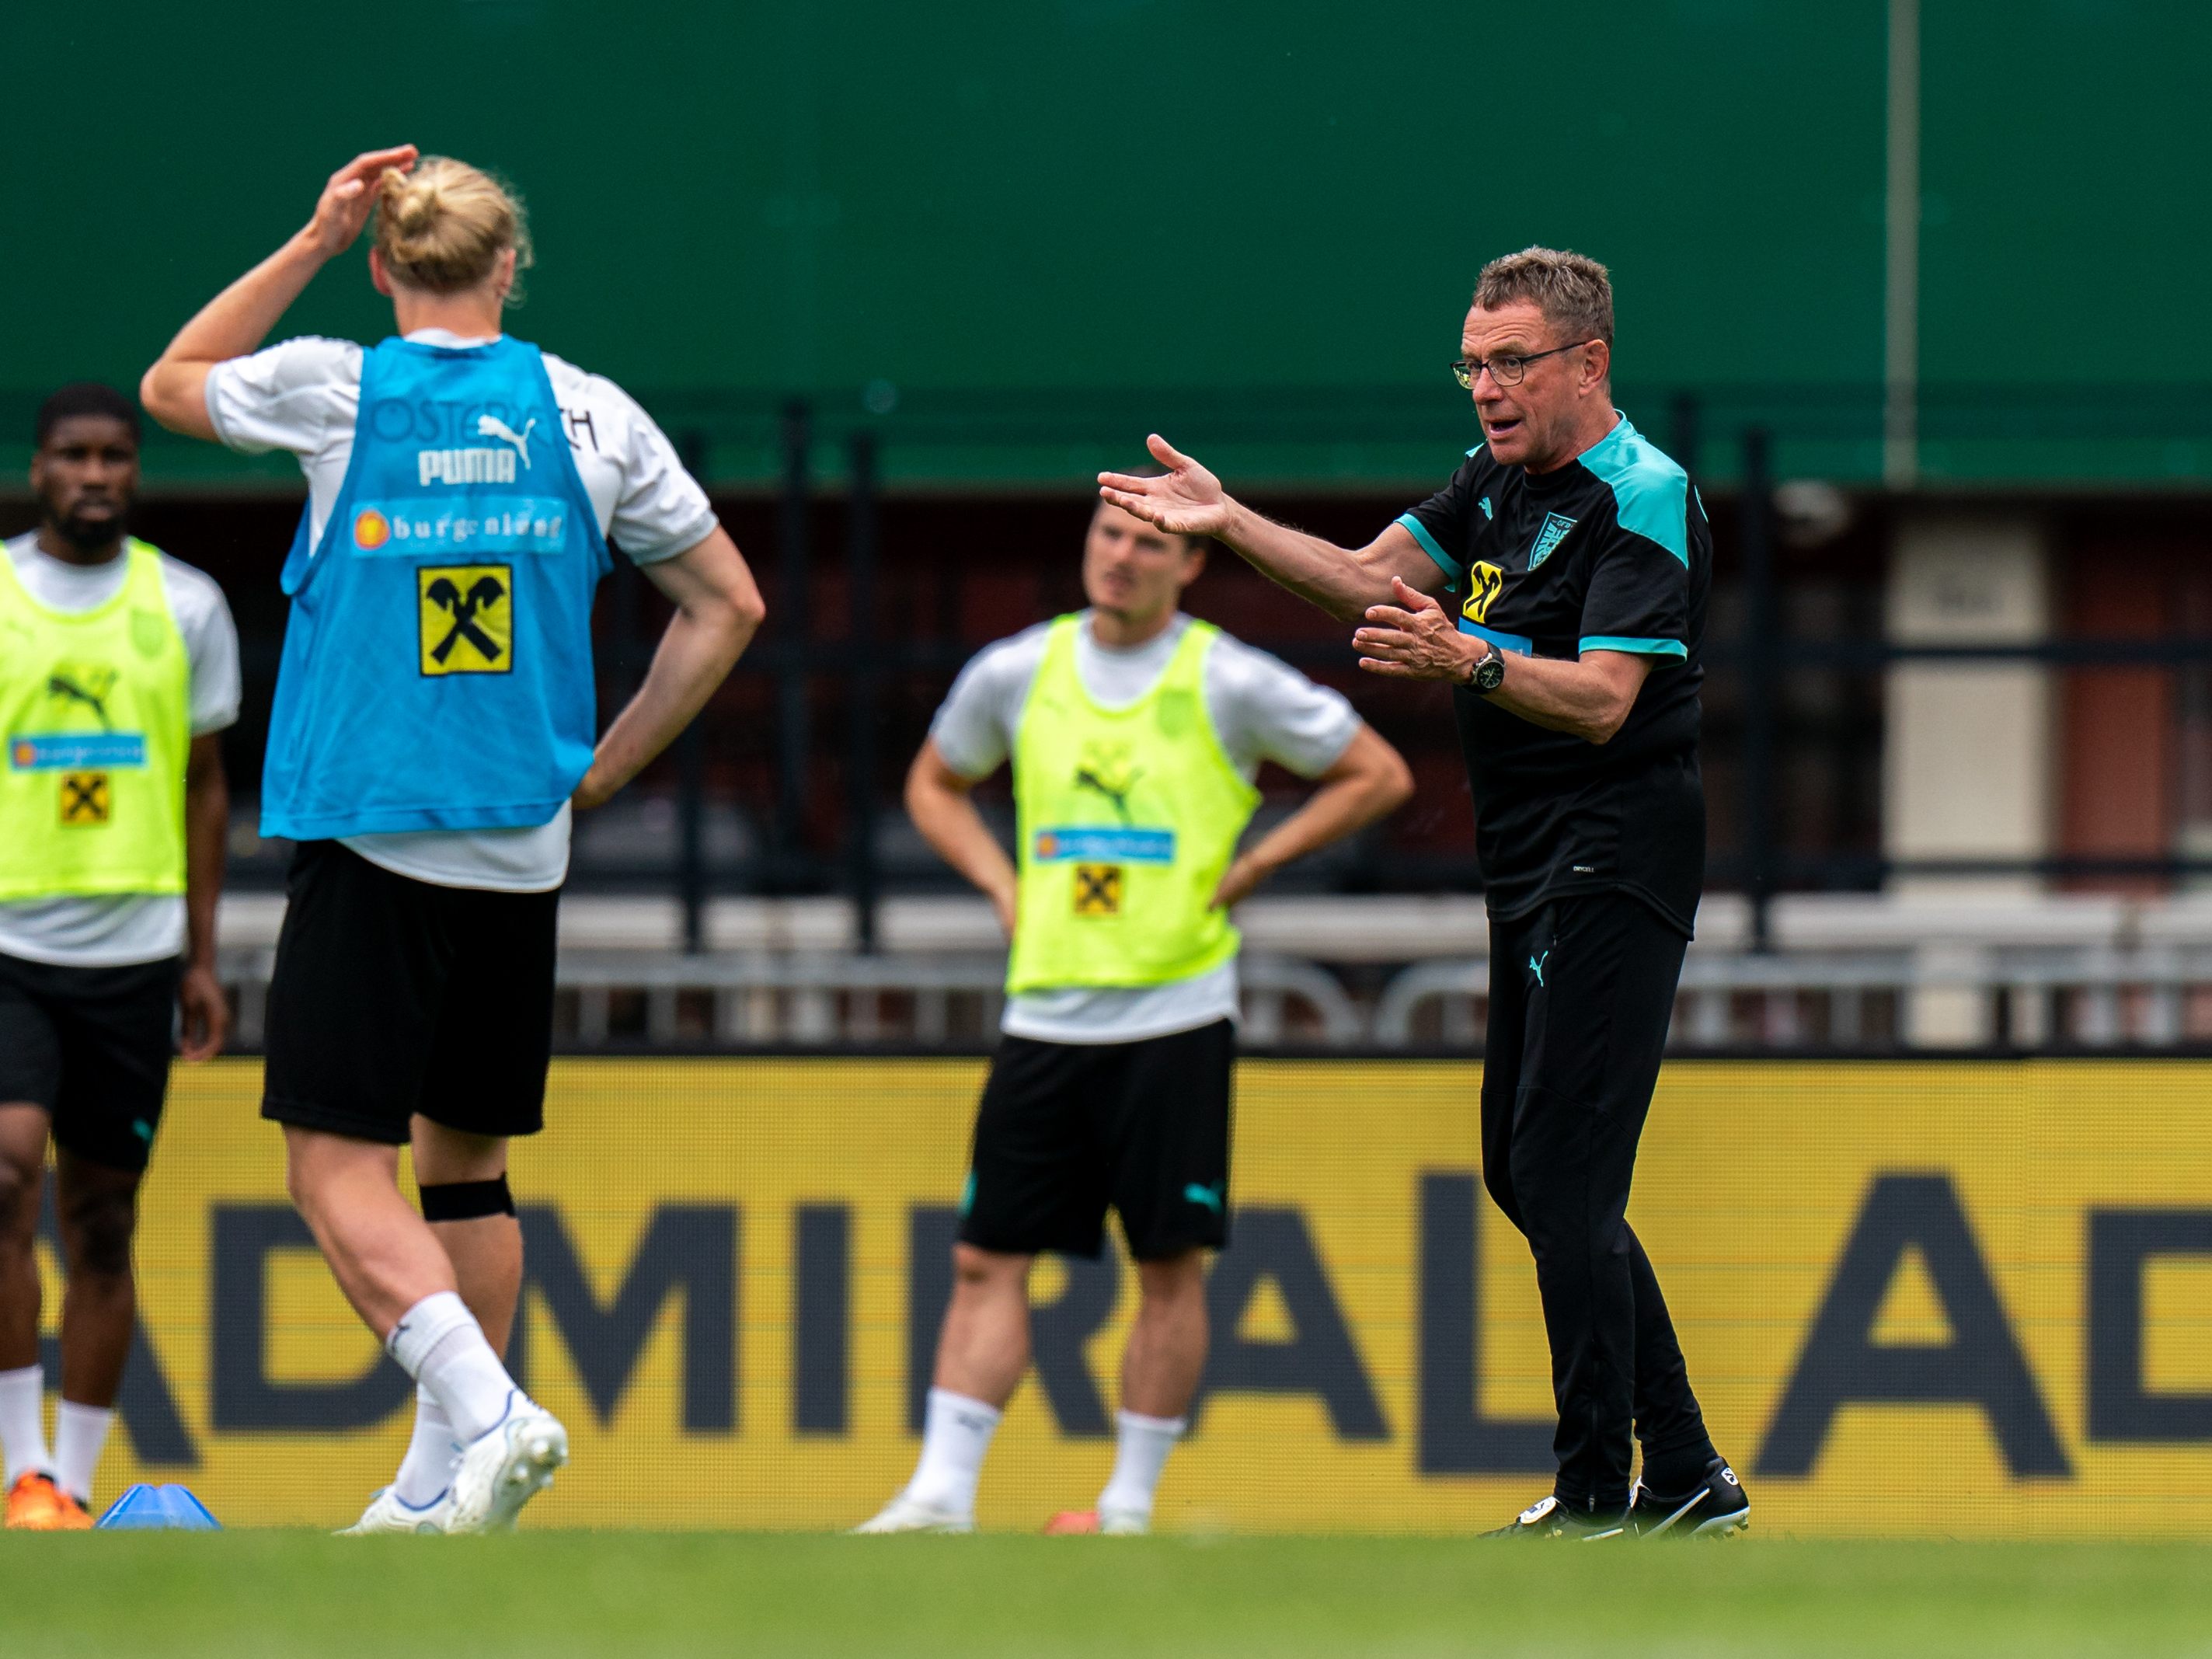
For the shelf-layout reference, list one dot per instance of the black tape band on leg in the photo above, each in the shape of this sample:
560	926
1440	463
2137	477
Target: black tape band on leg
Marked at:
467	1200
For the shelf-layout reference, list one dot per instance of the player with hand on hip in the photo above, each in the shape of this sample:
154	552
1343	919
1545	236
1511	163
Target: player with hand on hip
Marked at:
433	731
118	669
1134	733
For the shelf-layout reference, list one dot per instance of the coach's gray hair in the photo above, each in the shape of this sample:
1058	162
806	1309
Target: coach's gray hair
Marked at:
1572	290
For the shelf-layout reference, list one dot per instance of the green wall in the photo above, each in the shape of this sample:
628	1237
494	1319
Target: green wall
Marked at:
1049	224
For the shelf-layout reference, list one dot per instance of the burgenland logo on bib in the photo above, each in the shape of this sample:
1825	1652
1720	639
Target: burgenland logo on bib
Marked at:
485	524
371	530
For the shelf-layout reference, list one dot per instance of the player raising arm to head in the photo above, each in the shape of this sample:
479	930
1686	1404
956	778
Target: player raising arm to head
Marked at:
433	728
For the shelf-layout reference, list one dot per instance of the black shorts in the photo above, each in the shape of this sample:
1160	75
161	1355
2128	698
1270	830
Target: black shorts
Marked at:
92	1046
1065	1129
391	997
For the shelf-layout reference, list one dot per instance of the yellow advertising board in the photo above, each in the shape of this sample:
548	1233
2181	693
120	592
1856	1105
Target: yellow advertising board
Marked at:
1941	1298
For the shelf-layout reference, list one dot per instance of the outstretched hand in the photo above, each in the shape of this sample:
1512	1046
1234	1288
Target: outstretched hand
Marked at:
1189	501
1415	639
343	207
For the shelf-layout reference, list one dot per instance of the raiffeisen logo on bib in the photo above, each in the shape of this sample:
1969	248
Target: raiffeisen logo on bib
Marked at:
501	524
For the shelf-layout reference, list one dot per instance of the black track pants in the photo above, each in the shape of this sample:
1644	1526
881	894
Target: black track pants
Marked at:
1581	992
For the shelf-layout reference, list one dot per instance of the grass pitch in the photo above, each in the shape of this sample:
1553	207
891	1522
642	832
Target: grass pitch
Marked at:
241	1594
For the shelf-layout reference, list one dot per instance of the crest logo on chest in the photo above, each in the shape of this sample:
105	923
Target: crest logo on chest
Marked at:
1554	532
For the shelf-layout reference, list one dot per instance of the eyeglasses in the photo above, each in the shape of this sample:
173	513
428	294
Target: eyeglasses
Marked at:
1506	371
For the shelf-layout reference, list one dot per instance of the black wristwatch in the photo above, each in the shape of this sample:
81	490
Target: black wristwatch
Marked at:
1489	672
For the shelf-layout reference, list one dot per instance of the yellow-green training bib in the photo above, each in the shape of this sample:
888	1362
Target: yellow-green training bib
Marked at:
95	707
1126	818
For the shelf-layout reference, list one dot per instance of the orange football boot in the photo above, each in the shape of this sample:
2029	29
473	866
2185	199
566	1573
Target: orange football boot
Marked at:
1069	1523
35	1503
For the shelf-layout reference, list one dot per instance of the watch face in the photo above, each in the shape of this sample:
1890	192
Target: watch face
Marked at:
1490	673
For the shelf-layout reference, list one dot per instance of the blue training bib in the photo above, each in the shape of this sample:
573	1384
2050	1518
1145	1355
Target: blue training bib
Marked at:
437	666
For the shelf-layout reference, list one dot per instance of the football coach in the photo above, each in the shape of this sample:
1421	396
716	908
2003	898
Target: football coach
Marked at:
1574	560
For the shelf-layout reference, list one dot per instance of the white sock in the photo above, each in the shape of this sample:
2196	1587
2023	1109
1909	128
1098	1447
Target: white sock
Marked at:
957	1432
1145	1444
80	1436
439	1343
428	1468
23	1423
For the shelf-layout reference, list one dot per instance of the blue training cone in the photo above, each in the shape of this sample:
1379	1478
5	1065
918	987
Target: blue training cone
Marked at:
170	1508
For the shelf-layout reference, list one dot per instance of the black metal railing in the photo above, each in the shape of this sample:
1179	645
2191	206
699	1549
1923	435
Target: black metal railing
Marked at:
852	449
1761	654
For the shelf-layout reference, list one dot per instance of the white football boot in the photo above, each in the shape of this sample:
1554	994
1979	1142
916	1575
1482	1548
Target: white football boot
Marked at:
386	1513
903	1514
506	1466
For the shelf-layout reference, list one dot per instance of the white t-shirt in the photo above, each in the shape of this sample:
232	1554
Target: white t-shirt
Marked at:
111	930
302	395
1262	709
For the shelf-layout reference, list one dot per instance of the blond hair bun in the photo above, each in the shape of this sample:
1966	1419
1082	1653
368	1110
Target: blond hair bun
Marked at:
442	227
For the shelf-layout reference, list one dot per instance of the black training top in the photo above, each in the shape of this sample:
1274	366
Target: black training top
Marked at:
1610	552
